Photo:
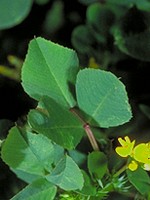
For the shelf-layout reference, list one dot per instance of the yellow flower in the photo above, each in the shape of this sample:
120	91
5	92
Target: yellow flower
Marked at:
141	153
127	147
133	165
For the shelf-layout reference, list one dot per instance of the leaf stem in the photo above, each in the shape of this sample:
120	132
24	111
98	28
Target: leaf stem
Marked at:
91	137
73	110
87	130
120	171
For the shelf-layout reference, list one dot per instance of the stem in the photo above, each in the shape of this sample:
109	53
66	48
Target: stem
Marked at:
77	115
91	137
120	171
87	130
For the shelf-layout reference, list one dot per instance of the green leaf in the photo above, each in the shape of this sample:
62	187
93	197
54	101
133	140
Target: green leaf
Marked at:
82	40
25	176
135	45
97	164
140	180
67	175
57	123
42	148
77	156
50	69
100	19
57	154
88	188
103	97
13	12
128	3
28	152
54	18
141	5
38	190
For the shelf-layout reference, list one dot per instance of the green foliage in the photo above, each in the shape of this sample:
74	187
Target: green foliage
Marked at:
13	12
54	18
137	37
51	151
64	129
142	5
45	152
40	189
24	151
97	164
140	180
114	29
49	69
99	19
66	175
108	105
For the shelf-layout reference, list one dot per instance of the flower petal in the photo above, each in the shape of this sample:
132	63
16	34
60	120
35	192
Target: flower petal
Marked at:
133	165
127	147
141	153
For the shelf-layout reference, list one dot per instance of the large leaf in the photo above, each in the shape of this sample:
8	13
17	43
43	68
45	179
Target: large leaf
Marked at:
38	190
103	97
13	12
57	123
28	152
50	69
56	154
140	179
67	175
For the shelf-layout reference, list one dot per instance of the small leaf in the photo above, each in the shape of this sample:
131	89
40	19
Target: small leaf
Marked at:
50	69
88	188
140	180
38	190
27	152
82	40
13	12
136	45
97	164
57	123
54	18
67	175
102	97
100	19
